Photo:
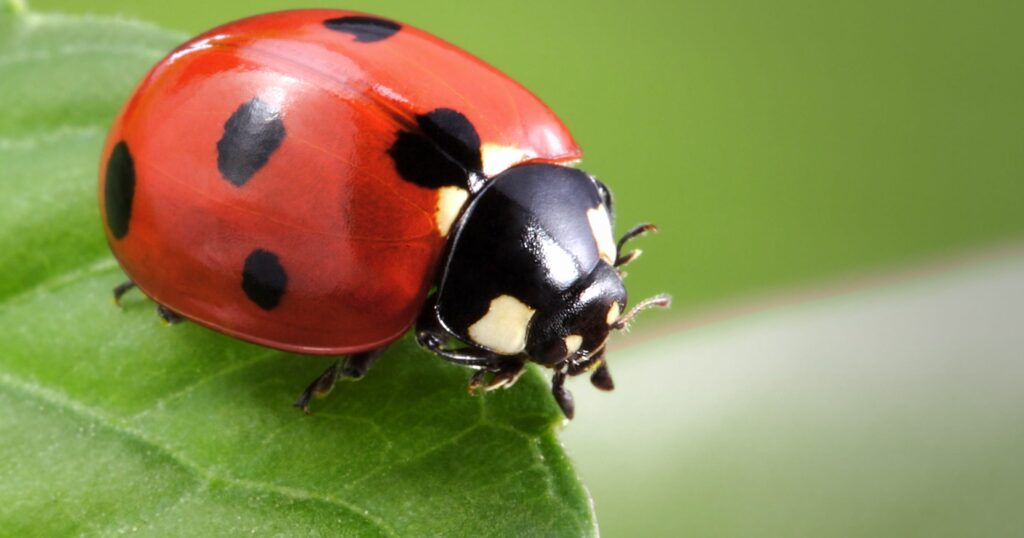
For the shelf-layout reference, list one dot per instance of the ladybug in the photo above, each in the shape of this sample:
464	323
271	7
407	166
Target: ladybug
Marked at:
320	181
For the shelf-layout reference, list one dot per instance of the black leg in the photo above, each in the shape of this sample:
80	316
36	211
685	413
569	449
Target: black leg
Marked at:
507	375
471	357
320	387
503	377
122	289
576	368
602	378
476	381
358	364
169	316
355	367
562	396
636	231
430	335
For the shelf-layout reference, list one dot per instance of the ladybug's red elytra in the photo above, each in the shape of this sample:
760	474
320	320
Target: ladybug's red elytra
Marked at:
303	179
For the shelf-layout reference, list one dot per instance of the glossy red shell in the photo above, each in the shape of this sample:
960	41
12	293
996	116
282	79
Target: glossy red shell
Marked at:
359	243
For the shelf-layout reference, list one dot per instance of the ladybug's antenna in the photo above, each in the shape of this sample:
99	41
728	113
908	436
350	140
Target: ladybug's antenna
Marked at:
662	301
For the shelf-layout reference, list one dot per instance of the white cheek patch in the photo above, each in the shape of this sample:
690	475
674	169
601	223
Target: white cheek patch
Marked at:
497	159
602	230
573	343
503	328
449	202
613	313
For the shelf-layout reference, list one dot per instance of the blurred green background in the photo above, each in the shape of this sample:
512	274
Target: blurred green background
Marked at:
775	144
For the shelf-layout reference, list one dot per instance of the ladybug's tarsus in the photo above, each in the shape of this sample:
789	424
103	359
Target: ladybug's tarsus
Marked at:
122	289
602	378
507	376
501	378
476	381
562	395
320	387
354	367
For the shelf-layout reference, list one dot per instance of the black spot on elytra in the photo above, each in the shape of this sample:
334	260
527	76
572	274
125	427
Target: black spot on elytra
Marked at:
251	135
366	29
263	279
119	189
445	150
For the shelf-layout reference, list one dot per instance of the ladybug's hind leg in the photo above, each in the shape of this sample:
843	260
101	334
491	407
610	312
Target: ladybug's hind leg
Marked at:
354	366
169	316
122	289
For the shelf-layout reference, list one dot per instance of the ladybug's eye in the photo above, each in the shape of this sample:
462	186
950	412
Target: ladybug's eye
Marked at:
606	195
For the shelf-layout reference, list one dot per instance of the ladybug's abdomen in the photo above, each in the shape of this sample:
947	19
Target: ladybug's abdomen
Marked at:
317	246
290	184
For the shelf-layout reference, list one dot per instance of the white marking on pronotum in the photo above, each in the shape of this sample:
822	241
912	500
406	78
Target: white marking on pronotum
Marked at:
613	313
602	230
573	343
450	200
497	159
503	328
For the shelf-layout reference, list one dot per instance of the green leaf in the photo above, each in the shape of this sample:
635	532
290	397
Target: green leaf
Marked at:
114	423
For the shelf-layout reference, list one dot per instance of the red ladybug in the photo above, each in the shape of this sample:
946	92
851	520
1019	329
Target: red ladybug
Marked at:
302	179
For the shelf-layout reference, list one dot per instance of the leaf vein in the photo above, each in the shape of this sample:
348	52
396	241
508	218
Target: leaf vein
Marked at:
60	280
203	380
61	401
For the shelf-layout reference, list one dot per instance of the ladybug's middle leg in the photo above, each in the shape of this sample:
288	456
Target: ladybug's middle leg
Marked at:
354	366
169	316
503	376
505	369
432	336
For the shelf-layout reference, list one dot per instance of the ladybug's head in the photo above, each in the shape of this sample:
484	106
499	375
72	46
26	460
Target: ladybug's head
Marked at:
574	339
581	329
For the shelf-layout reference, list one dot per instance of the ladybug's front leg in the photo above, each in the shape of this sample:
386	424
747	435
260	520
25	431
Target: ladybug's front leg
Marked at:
354	367
562	395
